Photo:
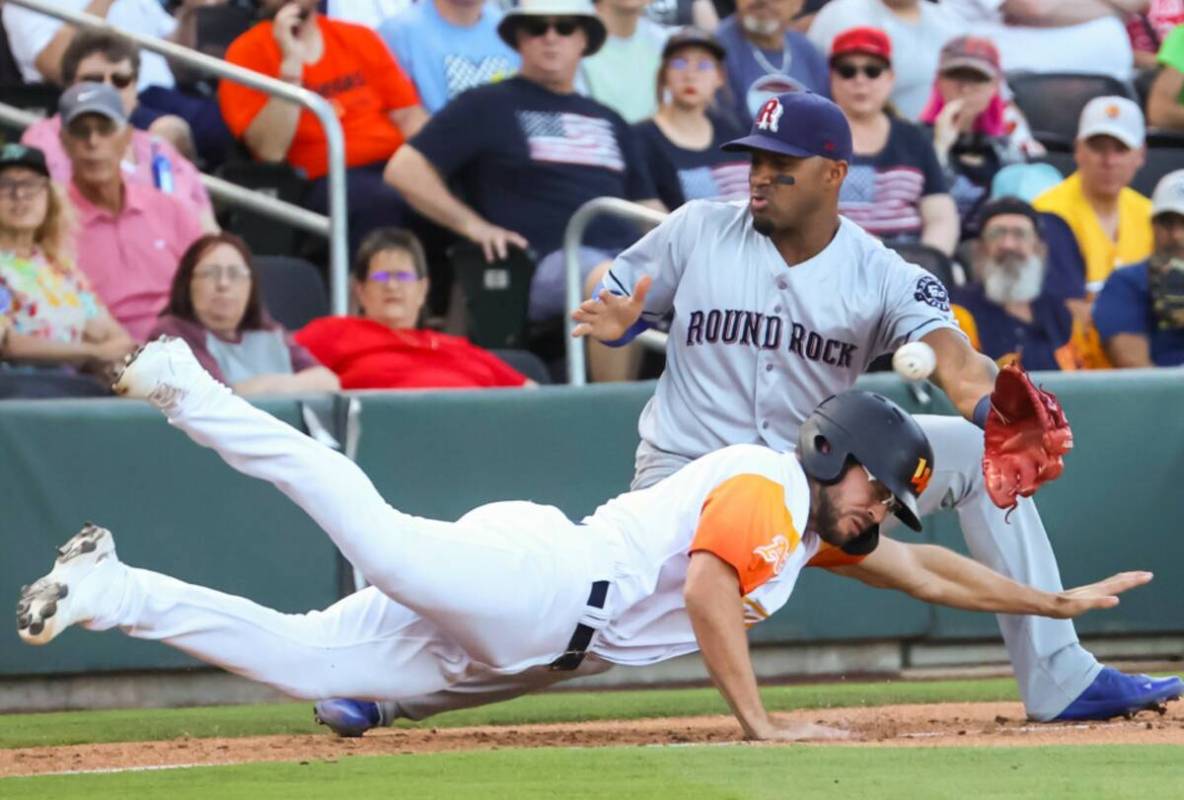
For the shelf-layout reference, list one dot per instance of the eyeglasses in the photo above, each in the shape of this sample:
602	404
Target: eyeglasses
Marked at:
699	65
997	233
120	80
849	71
86	126
535	27
890	502
233	273
397	276
22	190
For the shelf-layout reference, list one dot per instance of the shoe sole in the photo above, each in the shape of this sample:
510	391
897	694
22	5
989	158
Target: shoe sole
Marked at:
1157	703
41	611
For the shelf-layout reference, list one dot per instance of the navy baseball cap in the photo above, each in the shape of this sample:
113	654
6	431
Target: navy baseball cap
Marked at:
800	124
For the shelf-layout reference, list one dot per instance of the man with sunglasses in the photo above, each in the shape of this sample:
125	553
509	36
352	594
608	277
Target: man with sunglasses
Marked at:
528	152
131	236
514	591
152	157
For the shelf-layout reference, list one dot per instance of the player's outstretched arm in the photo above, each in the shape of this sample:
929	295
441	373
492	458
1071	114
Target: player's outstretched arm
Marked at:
964	374
607	317
938	575
712	595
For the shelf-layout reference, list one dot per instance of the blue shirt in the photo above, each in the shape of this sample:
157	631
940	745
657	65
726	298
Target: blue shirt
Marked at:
999	333
525	158
1124	306
755	75
443	59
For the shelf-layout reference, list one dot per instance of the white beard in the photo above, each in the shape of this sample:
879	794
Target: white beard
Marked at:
760	27
1013	282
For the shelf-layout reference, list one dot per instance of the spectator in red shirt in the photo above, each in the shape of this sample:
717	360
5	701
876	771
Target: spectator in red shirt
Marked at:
350	67
215	305
384	348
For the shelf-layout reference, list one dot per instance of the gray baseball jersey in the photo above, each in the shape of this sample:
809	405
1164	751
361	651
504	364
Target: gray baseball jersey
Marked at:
755	345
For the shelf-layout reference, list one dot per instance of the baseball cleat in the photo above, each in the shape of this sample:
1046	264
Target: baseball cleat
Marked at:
349	718
51	604
161	372
1116	694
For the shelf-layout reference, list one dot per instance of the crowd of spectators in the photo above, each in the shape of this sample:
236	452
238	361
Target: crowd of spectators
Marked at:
489	123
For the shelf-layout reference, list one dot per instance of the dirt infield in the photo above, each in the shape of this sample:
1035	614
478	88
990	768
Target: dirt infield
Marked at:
935	725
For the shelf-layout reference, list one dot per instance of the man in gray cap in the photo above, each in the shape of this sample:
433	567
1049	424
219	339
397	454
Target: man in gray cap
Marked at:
529	151
130	236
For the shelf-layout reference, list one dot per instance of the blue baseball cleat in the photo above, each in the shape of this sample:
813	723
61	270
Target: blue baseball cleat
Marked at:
348	718
1116	694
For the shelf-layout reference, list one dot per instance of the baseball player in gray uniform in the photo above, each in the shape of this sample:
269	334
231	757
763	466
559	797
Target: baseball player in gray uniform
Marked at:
778	303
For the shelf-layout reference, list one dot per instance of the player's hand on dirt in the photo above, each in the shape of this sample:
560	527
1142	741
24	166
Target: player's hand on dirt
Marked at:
607	316
1103	594
779	730
494	241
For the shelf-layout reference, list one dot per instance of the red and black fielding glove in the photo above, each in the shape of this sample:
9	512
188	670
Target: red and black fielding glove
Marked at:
1026	436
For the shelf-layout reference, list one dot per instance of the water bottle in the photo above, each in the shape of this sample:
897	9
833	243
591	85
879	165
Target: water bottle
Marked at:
162	171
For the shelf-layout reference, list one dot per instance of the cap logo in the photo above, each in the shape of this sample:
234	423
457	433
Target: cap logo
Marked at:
769	117
84	96
1112	111
11	152
920	479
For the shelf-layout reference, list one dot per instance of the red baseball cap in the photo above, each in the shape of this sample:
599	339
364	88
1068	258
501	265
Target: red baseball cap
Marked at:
864	41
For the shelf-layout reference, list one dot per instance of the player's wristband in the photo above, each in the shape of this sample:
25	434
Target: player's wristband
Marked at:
629	335
981	410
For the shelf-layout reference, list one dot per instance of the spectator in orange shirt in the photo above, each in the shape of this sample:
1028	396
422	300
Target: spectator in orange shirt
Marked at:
350	67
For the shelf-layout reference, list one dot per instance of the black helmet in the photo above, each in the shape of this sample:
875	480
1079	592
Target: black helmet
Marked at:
877	433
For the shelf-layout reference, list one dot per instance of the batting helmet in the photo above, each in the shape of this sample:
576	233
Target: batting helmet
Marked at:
872	430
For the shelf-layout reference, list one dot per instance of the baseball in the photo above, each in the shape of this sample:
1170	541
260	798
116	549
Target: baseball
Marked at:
914	361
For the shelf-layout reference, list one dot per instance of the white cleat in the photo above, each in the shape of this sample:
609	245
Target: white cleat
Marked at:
161	372
53	603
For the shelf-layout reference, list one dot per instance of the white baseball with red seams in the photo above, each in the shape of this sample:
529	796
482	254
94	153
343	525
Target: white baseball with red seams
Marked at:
914	361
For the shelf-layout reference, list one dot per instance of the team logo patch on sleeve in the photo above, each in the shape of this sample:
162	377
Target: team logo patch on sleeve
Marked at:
775	553
931	291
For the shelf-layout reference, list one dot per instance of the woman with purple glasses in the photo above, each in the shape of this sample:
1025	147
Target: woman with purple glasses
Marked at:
384	347
681	142
215	305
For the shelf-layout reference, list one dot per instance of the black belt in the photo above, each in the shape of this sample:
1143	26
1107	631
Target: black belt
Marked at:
577	647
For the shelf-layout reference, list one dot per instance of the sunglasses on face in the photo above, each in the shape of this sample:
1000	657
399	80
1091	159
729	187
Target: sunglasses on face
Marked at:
83	128
849	71
22	190
564	26
890	502
699	65
387	276
120	80
999	232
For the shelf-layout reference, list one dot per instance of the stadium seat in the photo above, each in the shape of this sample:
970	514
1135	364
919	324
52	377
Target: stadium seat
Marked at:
19	384
1062	161
293	290
1160	161
929	259
1052	101
10	73
527	363
263	235
496	295
218	26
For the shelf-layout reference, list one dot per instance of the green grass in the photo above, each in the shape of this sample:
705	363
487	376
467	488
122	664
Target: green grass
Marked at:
81	727
687	773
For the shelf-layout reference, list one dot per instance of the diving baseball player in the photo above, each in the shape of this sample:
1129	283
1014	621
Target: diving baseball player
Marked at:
516	589
778	303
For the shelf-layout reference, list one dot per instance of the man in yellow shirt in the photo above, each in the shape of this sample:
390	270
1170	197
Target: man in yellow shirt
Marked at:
1112	222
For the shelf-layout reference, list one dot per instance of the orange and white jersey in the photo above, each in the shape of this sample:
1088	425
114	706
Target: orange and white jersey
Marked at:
745	504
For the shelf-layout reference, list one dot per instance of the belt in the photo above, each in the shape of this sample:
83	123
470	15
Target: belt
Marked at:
577	646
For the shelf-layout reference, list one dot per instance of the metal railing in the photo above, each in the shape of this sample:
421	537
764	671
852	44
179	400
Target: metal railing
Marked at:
572	235
219	189
335	139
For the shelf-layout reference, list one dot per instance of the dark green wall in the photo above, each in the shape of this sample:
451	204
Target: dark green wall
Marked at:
177	509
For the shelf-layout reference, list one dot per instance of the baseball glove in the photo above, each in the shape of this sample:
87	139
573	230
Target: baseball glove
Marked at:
1026	436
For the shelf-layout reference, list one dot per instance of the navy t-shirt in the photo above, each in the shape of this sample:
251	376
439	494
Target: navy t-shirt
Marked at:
681	175
525	158
1124	306
755	75
1000	334
882	192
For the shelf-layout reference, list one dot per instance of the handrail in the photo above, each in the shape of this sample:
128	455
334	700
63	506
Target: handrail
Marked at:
338	251
599	206
220	189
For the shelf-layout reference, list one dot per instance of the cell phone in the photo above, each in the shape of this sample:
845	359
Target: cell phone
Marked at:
303	16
